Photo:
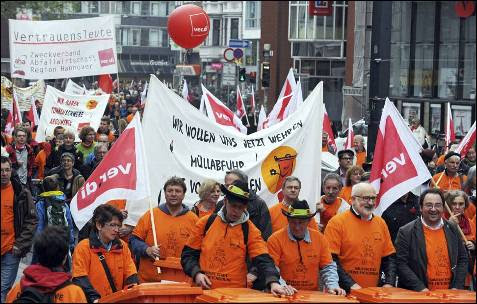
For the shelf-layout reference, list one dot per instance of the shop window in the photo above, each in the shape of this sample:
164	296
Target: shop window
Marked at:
462	116
469	66
448	51
435	118
411	110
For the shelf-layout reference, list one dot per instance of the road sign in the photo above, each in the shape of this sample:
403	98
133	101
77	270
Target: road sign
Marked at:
229	55
238	53
229	74
352	91
236	43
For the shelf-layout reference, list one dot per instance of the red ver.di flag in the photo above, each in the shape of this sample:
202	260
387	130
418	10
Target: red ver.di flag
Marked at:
397	165
121	175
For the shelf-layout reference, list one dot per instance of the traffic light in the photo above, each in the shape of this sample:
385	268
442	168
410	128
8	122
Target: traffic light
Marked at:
242	75
265	74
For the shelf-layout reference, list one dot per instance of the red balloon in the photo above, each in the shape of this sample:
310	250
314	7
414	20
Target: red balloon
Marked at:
188	25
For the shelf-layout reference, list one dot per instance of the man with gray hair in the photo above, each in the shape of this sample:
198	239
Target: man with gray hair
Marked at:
330	204
360	243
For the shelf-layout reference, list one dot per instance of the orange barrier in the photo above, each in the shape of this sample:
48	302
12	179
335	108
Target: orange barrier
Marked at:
393	295
171	270
238	295
155	293
454	296
306	296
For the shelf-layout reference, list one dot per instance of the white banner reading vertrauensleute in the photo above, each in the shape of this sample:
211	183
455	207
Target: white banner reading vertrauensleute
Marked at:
62	48
70	111
120	175
181	141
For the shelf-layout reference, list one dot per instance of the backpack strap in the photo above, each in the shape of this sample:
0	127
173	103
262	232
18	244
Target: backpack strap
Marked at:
195	210
106	270
210	220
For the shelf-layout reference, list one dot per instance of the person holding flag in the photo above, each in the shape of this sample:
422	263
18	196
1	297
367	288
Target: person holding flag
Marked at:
450	178
241	112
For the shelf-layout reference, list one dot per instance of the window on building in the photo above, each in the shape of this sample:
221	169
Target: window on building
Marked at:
400	48
252	13
118	35
135	8
215	32
154	37
234	28
159	9
145	8
93	7
468	65
144	37
125	36
116	7
448	51
424	53
165	38
126	7
104	7
135	37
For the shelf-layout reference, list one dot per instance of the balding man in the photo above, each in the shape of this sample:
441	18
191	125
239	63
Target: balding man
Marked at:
360	243
449	179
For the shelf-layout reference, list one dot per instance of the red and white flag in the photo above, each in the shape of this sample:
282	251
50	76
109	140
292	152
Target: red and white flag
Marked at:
32	114
185	91
262	117
350	138
397	166
105	83
220	113
327	128
241	112
278	112
296	101
467	142
450	131
122	174
9	124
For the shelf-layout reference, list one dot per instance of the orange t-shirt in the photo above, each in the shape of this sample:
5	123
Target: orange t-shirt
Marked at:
301	272
345	194
8	229
449	183
172	234
223	251
119	204
324	149
439	273
360	245
440	160
69	294
360	158
330	210
470	211
129	118
279	220
40	162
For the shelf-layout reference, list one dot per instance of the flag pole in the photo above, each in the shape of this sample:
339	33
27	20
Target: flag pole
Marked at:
148	186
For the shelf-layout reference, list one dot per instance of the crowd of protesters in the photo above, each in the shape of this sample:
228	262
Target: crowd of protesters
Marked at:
229	238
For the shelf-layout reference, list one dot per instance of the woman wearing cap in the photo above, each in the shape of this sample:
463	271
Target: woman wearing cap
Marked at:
69	179
302	254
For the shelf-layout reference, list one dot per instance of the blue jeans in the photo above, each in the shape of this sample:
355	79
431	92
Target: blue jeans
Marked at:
9	271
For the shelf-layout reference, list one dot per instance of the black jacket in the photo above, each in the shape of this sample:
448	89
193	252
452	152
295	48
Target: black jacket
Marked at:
400	213
412	258
258	214
24	216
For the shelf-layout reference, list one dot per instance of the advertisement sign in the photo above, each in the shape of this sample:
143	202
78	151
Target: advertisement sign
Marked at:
62	48
73	112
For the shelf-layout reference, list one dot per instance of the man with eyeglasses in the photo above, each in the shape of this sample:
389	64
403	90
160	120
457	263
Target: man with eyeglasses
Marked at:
430	253
345	161
449	179
360	243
